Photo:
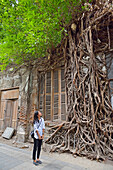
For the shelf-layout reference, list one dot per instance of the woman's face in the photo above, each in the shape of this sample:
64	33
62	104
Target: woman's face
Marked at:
39	113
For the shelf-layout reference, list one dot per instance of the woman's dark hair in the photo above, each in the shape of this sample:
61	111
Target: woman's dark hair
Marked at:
35	117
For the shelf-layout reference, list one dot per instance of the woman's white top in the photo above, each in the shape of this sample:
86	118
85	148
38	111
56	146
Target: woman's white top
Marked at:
39	126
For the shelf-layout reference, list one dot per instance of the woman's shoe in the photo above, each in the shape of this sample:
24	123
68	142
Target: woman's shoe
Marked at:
39	162
35	163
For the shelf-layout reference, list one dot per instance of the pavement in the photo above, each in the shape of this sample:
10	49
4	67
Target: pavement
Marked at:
12	158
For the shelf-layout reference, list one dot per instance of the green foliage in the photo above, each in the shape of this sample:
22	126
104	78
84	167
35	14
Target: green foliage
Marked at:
29	27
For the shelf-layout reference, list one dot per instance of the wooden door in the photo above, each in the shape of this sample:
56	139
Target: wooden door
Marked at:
8	108
14	113
2	111
8	114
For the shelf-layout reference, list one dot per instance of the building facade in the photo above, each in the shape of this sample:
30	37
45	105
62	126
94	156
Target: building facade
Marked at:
28	89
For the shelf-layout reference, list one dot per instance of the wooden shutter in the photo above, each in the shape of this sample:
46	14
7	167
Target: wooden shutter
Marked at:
52	95
56	97
56	85
48	82
48	107
62	81
41	104
63	107
48	96
63	103
41	100
55	106
42	84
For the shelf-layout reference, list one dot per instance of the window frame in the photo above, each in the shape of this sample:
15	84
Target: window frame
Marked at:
52	94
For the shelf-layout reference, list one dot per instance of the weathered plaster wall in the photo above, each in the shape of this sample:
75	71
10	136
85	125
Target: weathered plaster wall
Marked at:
26	80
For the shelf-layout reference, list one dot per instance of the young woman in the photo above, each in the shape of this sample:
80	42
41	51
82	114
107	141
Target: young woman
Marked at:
39	127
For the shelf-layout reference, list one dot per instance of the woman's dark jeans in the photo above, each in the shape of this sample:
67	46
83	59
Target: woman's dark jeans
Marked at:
37	147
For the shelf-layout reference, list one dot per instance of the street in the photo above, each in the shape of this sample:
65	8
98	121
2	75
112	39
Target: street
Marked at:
12	158
17	159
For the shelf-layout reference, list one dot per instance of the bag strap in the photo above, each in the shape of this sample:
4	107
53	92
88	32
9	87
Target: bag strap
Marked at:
39	123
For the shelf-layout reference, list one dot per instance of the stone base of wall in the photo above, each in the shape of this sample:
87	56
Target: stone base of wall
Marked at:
21	134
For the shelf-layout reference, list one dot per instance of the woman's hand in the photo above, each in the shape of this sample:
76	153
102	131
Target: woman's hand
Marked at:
39	137
43	136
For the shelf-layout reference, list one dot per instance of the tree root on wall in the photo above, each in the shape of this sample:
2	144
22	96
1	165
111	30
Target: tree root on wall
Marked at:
89	131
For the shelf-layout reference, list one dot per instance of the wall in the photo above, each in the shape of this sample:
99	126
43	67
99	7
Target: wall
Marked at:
26	80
